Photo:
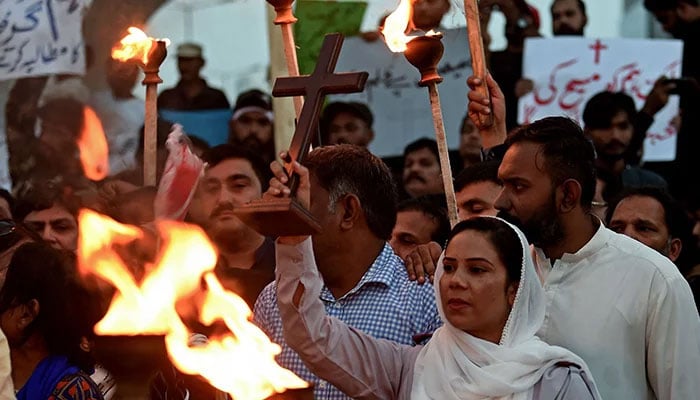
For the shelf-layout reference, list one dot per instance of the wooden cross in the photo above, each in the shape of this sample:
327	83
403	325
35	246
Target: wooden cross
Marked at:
285	217
314	88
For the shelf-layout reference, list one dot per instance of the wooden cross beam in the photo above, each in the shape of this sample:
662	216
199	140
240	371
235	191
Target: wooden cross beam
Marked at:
314	88
277	217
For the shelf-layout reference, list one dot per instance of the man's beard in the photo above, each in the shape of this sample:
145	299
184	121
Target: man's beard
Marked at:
566	30
543	229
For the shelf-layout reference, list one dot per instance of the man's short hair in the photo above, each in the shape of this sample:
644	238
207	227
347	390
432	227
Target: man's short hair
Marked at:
435	207
253	100
422	143
667	5
43	194
485	171
348	169
223	152
580	3
602	108
568	153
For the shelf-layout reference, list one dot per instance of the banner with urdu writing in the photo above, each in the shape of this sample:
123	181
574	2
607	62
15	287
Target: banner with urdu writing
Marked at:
40	37
569	71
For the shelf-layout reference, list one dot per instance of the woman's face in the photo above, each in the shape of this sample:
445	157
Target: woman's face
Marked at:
474	293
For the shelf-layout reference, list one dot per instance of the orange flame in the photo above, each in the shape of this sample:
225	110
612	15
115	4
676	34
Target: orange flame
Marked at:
134	46
240	362
94	152
396	25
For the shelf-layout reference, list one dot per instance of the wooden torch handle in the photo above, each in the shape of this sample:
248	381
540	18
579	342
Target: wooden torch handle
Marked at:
476	48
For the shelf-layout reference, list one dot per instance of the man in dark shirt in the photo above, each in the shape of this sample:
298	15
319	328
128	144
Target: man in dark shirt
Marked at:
192	92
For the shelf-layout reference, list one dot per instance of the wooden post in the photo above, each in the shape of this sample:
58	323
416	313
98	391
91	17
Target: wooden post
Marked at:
445	166
285	114
424	53
476	48
156	56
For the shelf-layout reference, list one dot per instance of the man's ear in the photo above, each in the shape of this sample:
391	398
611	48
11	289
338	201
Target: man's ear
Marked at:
674	249
351	211
569	196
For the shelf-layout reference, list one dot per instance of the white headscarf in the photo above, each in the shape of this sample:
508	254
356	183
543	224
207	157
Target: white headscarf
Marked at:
455	365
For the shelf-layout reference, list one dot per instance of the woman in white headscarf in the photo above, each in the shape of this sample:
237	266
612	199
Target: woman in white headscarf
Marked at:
491	302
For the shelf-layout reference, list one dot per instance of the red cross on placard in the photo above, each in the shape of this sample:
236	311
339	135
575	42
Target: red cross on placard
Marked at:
597	47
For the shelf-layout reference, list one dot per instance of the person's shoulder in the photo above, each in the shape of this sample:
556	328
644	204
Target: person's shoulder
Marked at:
76	386
565	380
641	257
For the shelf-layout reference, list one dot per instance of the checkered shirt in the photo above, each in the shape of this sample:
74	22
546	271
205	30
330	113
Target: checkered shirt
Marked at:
384	304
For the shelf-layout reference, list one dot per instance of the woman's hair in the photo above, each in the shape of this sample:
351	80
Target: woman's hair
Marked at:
42	273
502	237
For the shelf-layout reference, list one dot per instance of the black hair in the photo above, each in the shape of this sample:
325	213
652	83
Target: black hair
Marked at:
39	272
604	106
223	152
199	142
580	3
44	194
348	169
568	153
435	207
422	143
502	237
485	171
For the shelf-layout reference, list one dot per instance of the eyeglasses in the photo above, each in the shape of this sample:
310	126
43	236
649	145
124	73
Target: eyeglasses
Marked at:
7	227
9	235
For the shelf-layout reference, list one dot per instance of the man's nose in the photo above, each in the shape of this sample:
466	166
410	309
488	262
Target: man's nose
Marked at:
502	202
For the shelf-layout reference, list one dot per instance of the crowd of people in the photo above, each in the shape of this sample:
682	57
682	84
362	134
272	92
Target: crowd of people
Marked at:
574	272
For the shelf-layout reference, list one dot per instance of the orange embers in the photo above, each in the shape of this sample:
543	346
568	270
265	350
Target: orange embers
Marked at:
239	361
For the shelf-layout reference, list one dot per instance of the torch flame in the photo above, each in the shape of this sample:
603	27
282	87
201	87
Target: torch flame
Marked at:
92	144
240	362
134	46
396	25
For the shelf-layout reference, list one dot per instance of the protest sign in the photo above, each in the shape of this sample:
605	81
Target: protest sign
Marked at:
41	37
318	18
401	108
569	71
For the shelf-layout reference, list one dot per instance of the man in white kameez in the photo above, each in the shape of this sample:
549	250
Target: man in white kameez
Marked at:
623	307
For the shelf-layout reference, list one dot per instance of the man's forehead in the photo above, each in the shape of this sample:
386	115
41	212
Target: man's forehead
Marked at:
421	153
228	167
522	158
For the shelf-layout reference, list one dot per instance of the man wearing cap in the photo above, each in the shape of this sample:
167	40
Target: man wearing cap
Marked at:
192	92
349	123
251	124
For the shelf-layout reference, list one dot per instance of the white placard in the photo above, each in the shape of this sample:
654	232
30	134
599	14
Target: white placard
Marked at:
401	108
569	71
40	37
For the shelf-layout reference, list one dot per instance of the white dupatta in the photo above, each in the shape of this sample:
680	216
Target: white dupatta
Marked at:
457	366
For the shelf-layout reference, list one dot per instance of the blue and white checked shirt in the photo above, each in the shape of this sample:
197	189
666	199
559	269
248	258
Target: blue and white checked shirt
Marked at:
384	304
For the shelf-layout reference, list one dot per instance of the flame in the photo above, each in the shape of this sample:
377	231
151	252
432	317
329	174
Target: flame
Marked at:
396	25
240	362
135	46
92	144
